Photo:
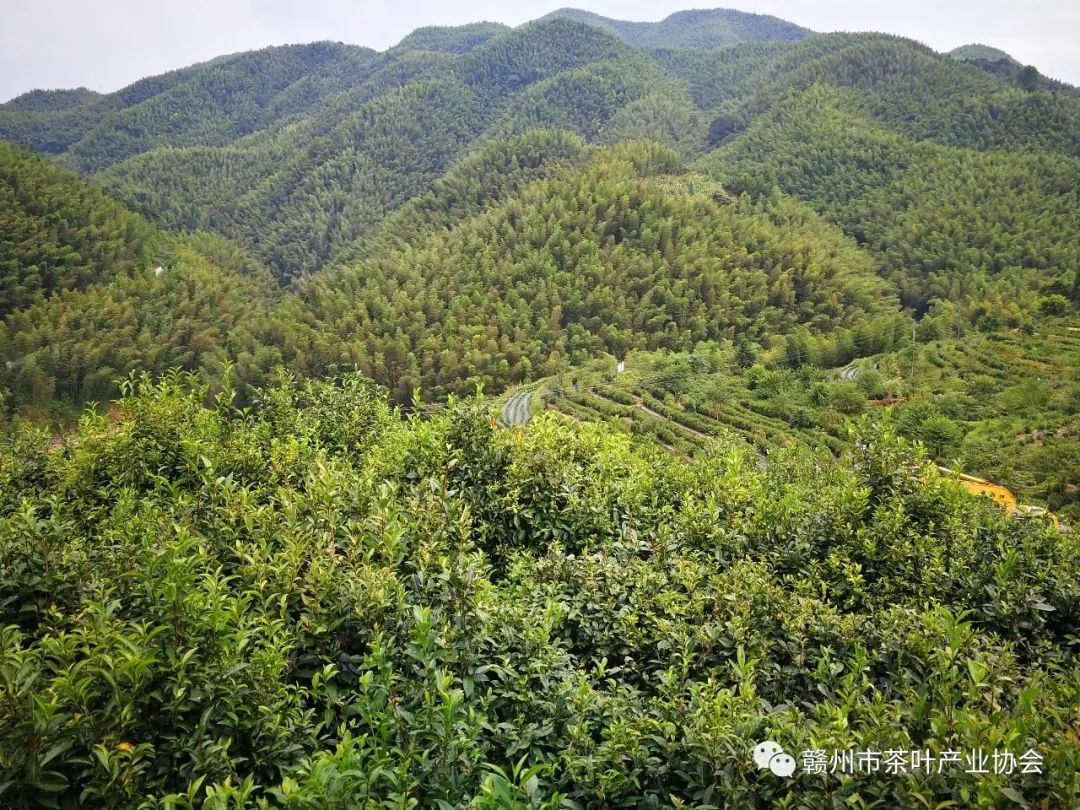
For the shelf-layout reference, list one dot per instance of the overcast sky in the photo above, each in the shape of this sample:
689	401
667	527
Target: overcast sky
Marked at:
107	44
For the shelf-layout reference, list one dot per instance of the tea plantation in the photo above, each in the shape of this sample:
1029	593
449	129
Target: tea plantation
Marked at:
319	602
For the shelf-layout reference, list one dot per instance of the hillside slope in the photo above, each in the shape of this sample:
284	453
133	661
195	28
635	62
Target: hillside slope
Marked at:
1001	406
998	63
622	252
922	208
313	602
299	192
321	142
59	233
788	182
701	28
208	104
94	292
738	301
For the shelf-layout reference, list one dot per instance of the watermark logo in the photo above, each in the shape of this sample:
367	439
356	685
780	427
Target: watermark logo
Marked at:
770	755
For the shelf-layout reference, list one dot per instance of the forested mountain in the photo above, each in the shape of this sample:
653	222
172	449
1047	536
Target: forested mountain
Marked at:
536	252
451	39
208	104
622	253
915	92
924	209
93	292
1001	64
319	143
974	52
59	233
374	179
288	558
296	194
699	28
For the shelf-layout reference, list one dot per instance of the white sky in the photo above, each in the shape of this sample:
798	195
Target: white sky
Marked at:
107	44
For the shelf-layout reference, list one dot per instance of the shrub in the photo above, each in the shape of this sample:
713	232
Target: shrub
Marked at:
314	603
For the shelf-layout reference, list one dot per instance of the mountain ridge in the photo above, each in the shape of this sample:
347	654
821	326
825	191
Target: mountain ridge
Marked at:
328	149
975	50
696	28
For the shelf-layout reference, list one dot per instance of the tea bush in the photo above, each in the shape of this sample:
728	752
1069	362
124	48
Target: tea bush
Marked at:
314	602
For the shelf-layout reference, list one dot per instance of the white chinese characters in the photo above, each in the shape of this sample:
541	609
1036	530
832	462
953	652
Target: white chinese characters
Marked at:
893	762
769	755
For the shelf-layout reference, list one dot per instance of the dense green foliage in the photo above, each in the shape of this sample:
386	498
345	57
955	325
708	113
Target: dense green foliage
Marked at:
451	39
590	250
995	61
445	229
700	28
57	233
207	104
828	261
91	291
917	93
295	152
975	51
1003	405
71	348
603	260
313	604
922	208
300	191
